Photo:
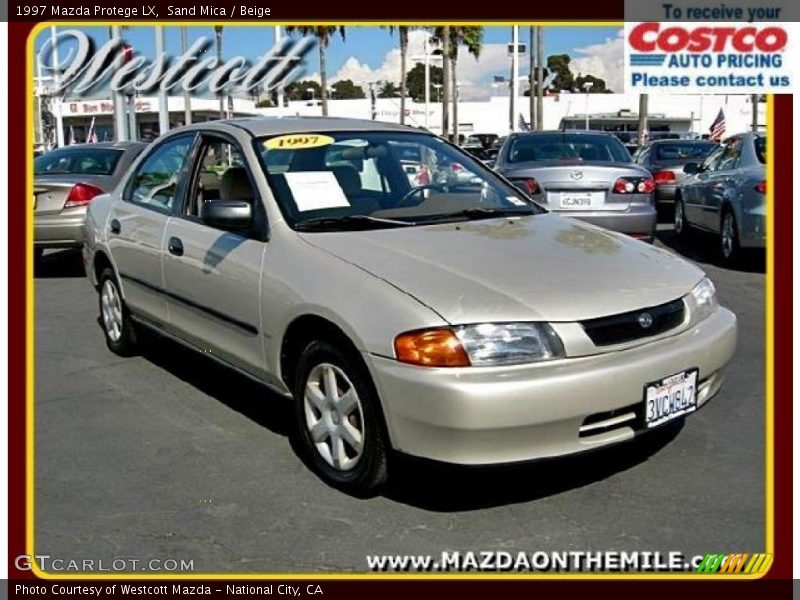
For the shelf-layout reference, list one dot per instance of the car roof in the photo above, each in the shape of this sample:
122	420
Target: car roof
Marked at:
261	126
565	131
681	141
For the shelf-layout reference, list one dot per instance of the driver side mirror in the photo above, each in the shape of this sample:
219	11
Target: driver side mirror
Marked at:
692	168
229	215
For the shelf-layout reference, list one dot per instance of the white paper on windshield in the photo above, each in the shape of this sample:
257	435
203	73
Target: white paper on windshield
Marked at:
315	190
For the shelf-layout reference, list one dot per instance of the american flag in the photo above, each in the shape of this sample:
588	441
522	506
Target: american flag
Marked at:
523	126
718	127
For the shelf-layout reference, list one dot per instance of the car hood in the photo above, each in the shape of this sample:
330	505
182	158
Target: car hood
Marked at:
543	267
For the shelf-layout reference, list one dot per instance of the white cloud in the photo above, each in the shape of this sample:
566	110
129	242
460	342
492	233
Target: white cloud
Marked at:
604	60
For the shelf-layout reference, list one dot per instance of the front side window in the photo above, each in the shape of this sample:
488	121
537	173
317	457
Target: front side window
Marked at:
567	147
155	182
730	156
381	179
761	149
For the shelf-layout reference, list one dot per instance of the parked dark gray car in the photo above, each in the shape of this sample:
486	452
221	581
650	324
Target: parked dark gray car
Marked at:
584	174
66	180
665	160
726	195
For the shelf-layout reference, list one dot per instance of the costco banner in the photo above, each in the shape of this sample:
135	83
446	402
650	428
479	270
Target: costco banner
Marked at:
712	58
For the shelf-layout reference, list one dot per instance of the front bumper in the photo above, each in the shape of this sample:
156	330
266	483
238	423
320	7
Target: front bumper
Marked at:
60	230
638	219
495	415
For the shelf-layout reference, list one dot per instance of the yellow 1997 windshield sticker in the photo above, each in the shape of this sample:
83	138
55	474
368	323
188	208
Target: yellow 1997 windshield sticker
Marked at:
298	141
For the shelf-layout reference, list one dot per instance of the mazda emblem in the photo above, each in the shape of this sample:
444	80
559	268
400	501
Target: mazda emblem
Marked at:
646	320
576	175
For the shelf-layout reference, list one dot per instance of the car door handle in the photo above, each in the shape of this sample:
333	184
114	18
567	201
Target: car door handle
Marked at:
115	226
175	246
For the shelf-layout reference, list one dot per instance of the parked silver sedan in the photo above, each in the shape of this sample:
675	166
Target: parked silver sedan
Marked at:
588	175
66	180
457	321
726	195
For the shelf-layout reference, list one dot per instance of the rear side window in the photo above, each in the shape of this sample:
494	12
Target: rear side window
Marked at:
761	149
155	182
78	161
567	147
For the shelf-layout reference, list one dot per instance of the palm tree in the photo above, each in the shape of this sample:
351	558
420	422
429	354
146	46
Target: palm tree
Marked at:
402	31
472	38
323	35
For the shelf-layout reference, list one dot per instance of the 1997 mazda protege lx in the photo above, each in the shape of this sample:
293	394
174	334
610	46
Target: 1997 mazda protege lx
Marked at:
446	315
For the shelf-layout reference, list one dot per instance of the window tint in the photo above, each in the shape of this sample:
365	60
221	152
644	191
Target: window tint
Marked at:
567	146
155	182
77	161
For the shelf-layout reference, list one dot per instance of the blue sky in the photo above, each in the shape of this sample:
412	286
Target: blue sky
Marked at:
367	48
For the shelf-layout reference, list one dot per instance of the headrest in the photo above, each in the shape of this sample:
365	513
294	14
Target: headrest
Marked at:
235	185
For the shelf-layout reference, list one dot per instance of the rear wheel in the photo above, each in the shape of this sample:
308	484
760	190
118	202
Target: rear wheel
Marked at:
118	328
729	238
339	426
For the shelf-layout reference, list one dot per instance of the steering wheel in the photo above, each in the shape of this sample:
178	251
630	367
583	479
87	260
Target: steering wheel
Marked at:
404	201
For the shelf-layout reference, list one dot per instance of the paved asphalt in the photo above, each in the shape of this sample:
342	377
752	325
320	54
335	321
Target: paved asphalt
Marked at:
167	455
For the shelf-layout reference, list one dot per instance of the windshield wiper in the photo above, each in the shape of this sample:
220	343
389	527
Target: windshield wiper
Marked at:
350	222
475	214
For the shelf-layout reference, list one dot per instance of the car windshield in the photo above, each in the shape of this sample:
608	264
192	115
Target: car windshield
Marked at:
761	149
677	151
567	147
77	161
381	179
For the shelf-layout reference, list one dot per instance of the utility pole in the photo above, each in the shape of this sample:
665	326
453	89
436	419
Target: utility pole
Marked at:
445	83
539	77
218	33
187	97
642	119
754	122
120	122
56	98
514	77
163	107
278	38
532	77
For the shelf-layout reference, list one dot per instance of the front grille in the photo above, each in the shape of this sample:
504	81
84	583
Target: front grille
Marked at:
634	325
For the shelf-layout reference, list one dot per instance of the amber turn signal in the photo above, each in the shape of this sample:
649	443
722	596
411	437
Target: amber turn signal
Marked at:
431	348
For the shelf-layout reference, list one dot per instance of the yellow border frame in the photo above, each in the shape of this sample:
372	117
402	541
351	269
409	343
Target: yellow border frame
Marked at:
29	337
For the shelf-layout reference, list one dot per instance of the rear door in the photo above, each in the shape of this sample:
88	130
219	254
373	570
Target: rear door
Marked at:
137	224
722	184
695	189
212	275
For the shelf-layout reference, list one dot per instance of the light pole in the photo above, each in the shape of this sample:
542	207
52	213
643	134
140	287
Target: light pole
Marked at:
514	77
586	87
218	33
278	37
120	122
426	58
56	98
163	108
187	98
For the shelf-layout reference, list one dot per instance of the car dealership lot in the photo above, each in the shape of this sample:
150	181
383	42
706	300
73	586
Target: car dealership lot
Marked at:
168	455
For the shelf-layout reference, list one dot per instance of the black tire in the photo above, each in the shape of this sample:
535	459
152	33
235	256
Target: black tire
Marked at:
124	342
38	252
679	220
729	248
369	471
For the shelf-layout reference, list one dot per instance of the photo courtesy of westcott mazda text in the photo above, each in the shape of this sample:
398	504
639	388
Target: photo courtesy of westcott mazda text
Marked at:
334	314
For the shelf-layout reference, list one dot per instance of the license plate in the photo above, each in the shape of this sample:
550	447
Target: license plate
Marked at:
670	398
580	200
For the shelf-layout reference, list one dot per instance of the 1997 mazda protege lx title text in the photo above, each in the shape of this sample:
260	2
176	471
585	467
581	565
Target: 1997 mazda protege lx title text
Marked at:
447	317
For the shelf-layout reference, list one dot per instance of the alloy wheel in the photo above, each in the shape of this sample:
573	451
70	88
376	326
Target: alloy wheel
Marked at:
111	310
728	235
334	416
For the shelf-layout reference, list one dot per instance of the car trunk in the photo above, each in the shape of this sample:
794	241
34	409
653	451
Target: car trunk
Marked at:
577	185
50	192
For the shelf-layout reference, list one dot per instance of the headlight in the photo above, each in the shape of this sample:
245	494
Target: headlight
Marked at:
704	299
486	344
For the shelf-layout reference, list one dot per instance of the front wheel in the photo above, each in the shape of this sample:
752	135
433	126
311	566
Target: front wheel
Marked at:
339	426
118	328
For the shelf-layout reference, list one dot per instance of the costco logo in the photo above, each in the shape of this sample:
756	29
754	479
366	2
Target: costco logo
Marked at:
656	42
